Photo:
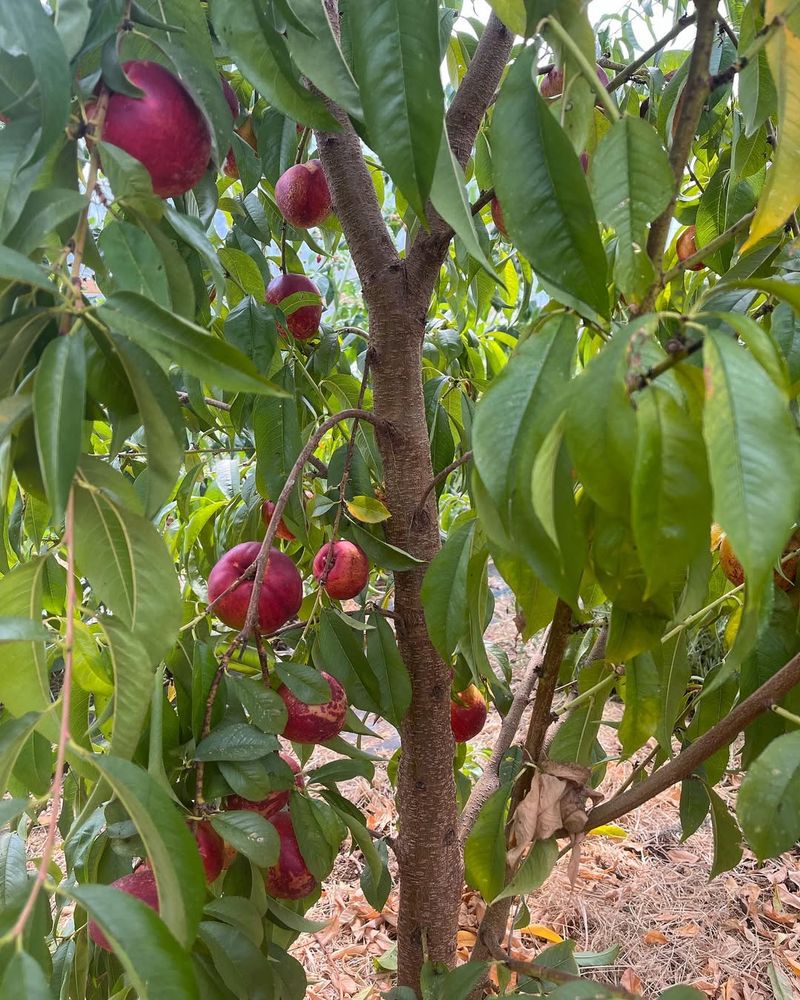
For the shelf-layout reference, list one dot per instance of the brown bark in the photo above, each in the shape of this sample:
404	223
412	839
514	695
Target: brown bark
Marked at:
397	294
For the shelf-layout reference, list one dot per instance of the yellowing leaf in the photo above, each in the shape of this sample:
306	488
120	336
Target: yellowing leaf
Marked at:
540	931
781	193
609	830
368	509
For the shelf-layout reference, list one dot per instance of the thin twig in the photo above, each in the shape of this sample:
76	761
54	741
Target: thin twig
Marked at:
721	735
643	380
489	781
441	476
57	788
628	72
482	200
217	404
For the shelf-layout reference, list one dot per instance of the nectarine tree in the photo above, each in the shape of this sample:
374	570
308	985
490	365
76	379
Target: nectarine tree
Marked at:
311	312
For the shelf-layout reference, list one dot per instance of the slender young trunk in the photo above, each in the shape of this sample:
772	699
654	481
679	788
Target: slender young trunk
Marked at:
431	873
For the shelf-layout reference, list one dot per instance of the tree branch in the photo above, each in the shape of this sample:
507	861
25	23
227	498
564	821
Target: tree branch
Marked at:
690	106
463	120
489	781
721	735
477	89
628	72
440	476
353	192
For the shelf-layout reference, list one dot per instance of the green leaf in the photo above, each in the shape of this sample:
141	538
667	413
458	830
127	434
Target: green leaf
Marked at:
757	93
754	457
16	267
368	509
546	204
513	15
642	703
129	567
395	58
339	770
341	653
190	53
296	921
444	590
250	834
24	977
576	738
264	706
135	930
318	55
440	983
276	431
235	741
24	682
262	54
601	424
169	846
44	211
58	401
379	551
250	326
13	736
135	263
175	340
319	831
133	676
160	414
16	629
671	494
485	847
727	839
393	679
513	417
304	681
534	870
449	198
36	36
682	993
244	970
768	803
13	411
243	270
632	183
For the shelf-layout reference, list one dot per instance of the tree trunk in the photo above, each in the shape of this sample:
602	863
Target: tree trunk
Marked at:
431	875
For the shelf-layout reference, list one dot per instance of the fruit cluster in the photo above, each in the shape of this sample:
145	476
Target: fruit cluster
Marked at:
144	127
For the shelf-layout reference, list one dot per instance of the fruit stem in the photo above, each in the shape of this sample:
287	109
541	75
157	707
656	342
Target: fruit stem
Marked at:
57	787
588	71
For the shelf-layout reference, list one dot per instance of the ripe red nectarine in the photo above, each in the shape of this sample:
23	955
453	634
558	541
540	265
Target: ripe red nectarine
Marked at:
282	531
302	194
314	723
687	247
165	130
142	885
289	877
281	592
467	713
303	323
349	569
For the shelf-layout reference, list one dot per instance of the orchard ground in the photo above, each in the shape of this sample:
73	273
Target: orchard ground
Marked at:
649	895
